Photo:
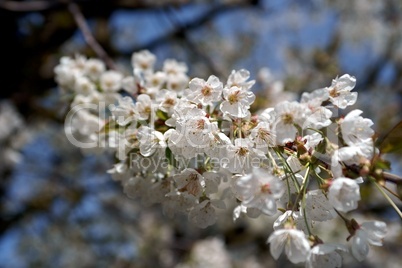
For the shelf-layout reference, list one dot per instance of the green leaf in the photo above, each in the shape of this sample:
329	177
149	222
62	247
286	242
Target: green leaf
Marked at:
162	115
111	125
392	141
170	157
383	164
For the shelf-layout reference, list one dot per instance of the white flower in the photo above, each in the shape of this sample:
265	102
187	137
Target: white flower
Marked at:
136	186
143	60
217	147
260	190
344	193
120	172
203	214
241	156
198	130
177	82
190	181
177	202
239	79
205	92
125	112
143	106
340	91
325	255
155	80
312	140
94	68
369	233
356	129
110	81
237	101
293	241
318	207
66	72
212	181
351	155
287	115
296	218
84	86
167	101
173	67
263	136
315	98
129	84
150	141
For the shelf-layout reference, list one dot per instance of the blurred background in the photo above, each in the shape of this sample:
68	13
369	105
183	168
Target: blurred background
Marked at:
59	207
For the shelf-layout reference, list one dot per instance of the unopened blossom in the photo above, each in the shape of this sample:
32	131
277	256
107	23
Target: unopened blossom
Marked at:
368	233
293	241
325	255
340	91
205	92
260	190
237	101
343	194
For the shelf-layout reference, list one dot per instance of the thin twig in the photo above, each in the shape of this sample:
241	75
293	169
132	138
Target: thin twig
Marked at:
388	199
89	38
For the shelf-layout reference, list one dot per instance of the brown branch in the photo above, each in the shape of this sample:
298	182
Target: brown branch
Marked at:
41	6
28	6
89	38
392	178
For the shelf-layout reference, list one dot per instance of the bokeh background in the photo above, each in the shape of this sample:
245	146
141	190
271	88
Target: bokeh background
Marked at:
59	207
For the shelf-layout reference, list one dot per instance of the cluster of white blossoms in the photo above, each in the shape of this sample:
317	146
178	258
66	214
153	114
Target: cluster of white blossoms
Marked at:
193	146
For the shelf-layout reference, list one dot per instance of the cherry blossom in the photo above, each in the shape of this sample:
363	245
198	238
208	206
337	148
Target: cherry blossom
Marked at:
344	193
293	241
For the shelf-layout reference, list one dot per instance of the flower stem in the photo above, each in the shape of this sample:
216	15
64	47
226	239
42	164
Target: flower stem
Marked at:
388	199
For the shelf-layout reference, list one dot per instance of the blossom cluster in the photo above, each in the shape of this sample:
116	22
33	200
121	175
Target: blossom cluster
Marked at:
192	145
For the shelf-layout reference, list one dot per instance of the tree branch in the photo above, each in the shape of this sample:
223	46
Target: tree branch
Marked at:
392	178
89	38
28	6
